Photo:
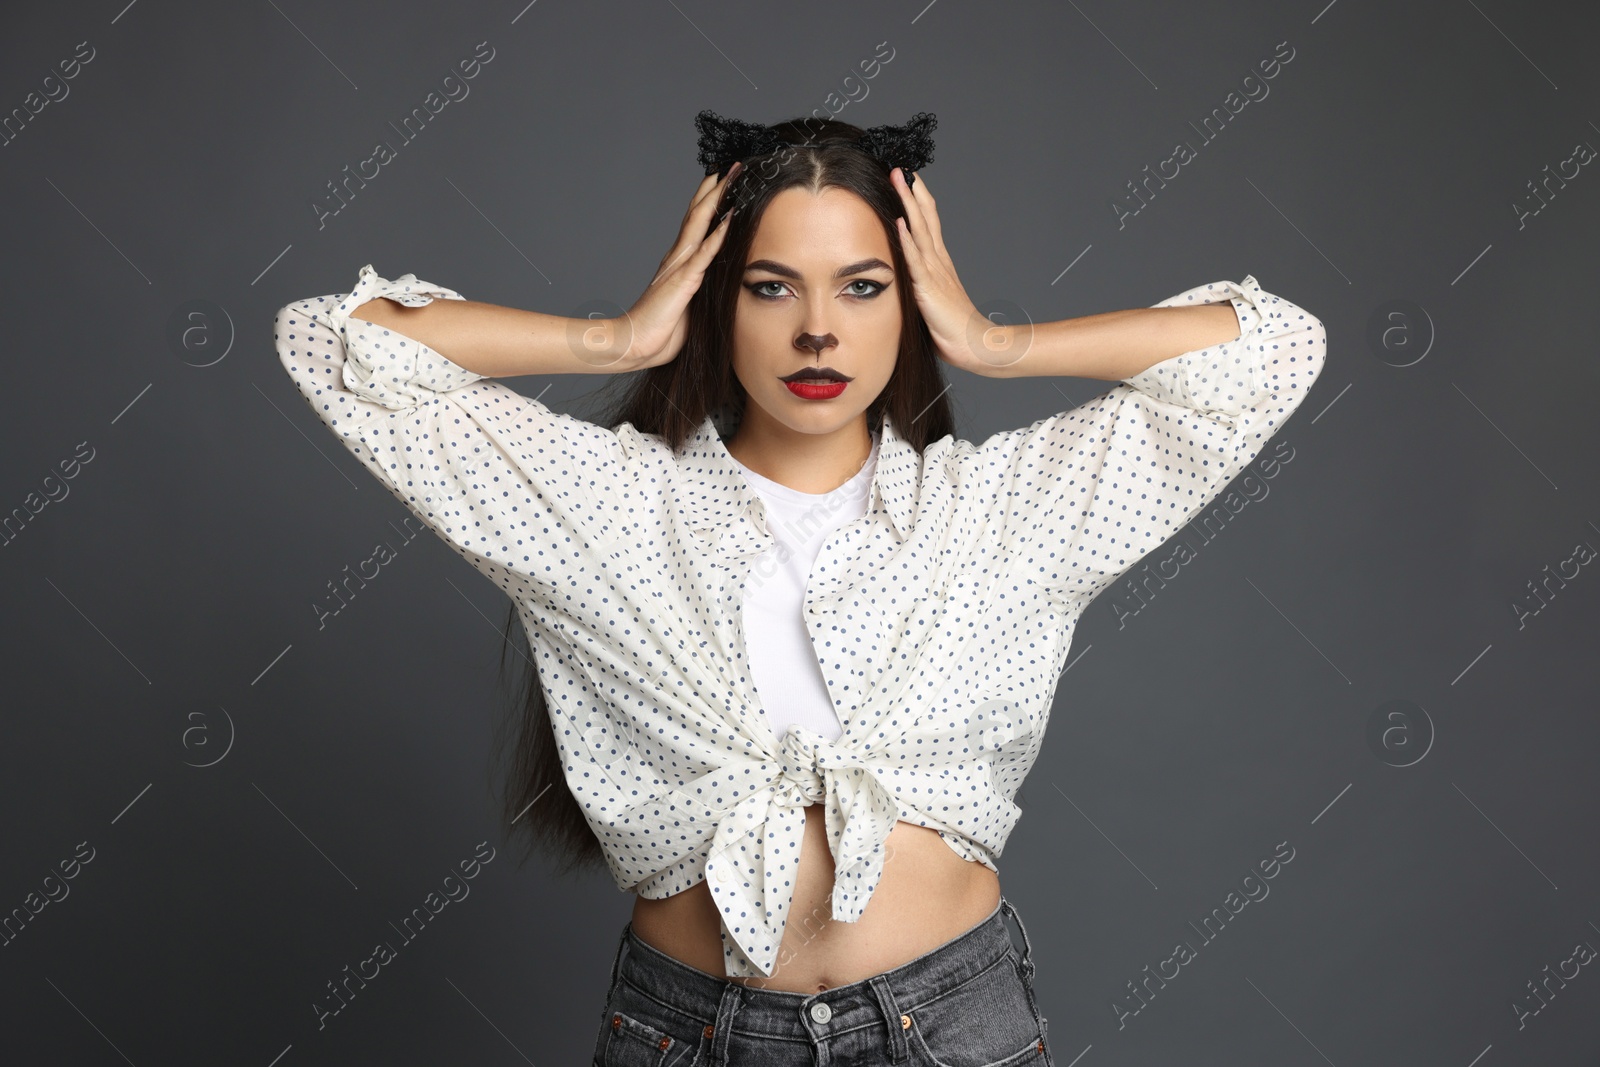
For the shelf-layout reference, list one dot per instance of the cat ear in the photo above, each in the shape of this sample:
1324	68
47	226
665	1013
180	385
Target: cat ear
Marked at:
724	141
908	146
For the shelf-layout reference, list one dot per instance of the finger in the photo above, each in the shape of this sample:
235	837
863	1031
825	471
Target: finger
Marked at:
930	214
714	241
695	221
930	208
700	190
705	205
914	214
705	189
679	253
696	259
713	193
908	248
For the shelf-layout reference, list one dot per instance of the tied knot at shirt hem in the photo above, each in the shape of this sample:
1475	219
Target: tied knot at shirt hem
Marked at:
804	755
755	849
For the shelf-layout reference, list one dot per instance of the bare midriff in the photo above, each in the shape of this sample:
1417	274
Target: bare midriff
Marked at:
927	896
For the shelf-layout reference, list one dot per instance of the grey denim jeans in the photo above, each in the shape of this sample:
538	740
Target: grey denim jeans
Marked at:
969	1002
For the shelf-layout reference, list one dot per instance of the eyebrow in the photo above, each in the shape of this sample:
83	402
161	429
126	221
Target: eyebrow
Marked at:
775	267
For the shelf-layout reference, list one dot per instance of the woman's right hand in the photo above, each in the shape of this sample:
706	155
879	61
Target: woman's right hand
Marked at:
655	327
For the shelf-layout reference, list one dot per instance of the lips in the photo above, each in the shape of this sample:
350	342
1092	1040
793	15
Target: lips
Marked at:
817	374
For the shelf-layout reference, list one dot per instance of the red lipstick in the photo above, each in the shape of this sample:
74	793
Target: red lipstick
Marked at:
816	383
816	390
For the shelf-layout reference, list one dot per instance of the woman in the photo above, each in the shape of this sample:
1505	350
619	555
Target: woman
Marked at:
797	643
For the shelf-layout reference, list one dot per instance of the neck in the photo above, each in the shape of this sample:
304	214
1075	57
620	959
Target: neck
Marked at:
806	462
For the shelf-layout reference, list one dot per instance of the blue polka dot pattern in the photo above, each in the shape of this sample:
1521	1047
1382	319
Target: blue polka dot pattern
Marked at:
941	619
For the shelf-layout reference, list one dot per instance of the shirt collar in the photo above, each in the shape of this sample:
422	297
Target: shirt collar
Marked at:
721	496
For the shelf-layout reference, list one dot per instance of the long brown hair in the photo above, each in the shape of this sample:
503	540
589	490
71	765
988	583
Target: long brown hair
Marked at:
673	400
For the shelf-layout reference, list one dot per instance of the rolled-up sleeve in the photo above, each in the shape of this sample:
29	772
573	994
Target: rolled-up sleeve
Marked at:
516	488
1084	495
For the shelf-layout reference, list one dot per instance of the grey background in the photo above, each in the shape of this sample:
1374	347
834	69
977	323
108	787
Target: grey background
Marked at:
159	614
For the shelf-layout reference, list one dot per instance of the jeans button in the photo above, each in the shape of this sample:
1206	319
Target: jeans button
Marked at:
821	1012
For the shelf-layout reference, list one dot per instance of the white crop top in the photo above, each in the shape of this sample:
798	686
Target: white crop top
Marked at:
783	661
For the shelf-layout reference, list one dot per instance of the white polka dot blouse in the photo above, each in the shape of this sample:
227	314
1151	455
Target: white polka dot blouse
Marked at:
940	619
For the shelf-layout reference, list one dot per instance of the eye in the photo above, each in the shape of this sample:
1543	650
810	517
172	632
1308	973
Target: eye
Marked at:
756	287
877	287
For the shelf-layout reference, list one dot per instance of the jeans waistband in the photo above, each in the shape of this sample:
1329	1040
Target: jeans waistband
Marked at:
727	1005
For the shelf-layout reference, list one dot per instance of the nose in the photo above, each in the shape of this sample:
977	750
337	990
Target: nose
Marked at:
816	342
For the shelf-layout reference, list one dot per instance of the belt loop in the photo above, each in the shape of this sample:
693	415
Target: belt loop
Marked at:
616	962
891	1018
1027	946
722	1029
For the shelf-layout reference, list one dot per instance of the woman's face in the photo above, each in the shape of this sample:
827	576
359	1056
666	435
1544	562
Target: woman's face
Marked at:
817	292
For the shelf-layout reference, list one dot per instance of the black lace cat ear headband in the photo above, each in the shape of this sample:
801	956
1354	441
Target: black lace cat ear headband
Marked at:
725	141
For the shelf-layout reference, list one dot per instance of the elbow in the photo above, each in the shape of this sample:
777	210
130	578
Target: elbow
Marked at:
302	334
298	317
290	332
1316	344
1307	351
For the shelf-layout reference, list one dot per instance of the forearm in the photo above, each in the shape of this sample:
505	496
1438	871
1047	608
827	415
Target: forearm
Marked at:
504	342
1113	345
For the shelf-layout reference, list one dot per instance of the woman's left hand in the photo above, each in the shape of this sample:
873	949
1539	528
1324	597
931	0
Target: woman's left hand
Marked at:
959	330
